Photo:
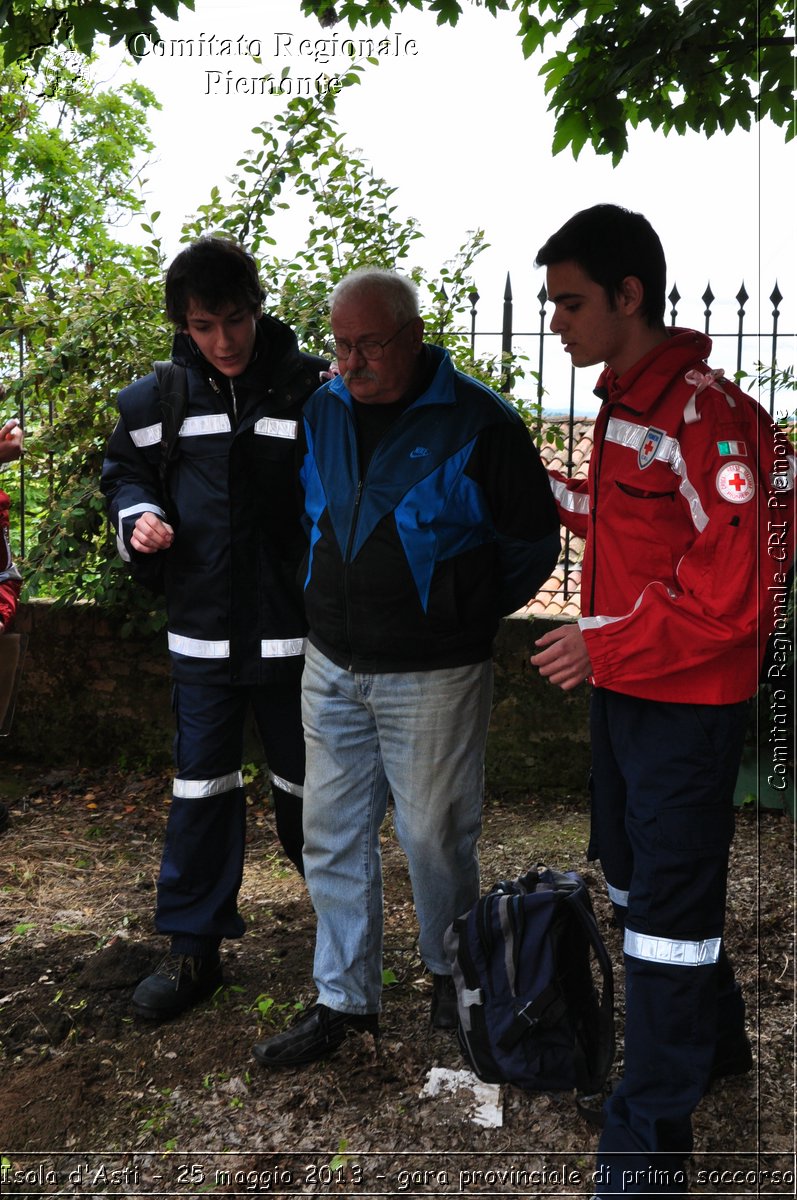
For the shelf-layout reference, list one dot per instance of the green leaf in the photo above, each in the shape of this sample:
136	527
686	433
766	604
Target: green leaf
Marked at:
572	129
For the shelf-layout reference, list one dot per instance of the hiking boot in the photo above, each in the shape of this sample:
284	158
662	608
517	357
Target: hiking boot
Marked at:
318	1032
591	1109
178	982
444	1002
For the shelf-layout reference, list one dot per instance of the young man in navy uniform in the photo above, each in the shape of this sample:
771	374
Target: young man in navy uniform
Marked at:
224	534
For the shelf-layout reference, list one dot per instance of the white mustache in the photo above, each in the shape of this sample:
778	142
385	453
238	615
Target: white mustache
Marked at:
362	374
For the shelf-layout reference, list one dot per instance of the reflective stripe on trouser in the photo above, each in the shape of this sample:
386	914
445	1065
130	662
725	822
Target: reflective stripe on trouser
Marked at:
663	777
203	854
287	798
421	735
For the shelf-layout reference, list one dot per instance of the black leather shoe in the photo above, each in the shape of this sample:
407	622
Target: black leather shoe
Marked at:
444	1002
179	982
320	1031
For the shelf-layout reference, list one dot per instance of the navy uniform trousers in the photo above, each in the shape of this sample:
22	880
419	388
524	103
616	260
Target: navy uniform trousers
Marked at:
203	856
663	778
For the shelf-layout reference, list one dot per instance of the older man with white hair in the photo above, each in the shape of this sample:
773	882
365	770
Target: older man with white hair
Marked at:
429	517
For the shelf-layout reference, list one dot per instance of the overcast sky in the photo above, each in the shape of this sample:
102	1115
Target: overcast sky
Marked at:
457	120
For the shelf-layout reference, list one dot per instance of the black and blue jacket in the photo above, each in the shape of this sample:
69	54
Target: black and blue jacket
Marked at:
413	561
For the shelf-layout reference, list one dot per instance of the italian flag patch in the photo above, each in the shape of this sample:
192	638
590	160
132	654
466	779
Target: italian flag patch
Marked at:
732	449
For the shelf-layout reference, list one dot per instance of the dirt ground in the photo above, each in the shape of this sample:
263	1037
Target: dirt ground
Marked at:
94	1102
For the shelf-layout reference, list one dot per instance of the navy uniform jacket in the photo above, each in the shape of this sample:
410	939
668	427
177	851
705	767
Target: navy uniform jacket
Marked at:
234	608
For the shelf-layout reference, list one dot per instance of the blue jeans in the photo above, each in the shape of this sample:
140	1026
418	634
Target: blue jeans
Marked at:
419	736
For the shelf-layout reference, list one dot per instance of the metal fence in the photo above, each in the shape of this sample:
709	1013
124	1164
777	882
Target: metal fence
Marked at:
509	345
771	344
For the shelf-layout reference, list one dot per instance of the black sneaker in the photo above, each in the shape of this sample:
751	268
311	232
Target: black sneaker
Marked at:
318	1032
444	1002
179	982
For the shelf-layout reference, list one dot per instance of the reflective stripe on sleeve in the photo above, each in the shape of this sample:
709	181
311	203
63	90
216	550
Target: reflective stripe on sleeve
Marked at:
664	950
274	427
575	502
617	896
599	622
285	785
133	511
148	435
285	648
198	789
140	508
197	648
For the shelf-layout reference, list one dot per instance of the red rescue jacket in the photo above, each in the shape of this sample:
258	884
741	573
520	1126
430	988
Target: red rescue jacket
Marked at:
688	511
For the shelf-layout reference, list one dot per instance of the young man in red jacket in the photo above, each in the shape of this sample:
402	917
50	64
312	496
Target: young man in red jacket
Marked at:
687	481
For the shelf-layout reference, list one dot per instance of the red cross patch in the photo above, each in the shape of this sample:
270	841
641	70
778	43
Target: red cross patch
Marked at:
736	483
649	448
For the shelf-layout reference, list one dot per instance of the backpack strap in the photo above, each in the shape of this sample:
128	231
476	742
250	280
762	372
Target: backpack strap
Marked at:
173	398
580	904
544	1010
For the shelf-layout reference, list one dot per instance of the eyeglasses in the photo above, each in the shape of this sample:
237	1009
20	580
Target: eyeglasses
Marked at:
368	349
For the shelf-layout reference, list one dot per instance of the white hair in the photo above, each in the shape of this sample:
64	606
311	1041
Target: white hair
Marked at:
397	291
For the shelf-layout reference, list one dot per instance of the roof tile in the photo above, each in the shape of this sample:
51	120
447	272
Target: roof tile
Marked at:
559	596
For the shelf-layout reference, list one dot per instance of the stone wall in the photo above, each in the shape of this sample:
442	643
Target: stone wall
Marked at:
90	696
539	735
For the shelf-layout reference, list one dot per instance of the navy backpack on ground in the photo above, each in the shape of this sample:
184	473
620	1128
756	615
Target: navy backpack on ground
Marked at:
527	960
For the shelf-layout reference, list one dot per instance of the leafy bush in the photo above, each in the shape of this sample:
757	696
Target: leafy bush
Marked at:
81	310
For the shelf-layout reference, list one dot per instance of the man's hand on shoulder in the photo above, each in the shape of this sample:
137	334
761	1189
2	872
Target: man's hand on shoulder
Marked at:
151	534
